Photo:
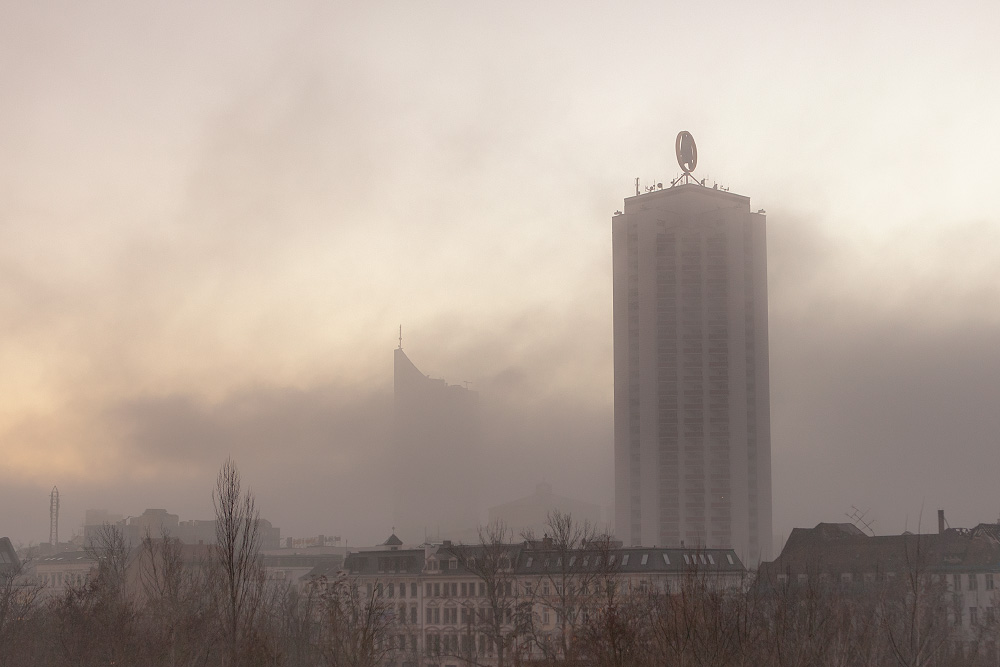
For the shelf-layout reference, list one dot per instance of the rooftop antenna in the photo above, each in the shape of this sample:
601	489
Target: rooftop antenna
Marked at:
636	186
857	516
401	336
54	516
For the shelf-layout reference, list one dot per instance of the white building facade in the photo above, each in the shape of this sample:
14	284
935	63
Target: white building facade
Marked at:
692	408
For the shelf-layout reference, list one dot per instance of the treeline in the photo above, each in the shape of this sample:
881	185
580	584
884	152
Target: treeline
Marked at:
164	605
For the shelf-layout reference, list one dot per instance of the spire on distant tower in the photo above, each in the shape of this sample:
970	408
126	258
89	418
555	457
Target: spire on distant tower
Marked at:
401	336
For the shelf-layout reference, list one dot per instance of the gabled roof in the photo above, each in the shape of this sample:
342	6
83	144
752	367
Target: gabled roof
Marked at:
393	541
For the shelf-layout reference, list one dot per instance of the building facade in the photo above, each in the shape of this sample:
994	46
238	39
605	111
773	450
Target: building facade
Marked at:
949	580
692	408
463	604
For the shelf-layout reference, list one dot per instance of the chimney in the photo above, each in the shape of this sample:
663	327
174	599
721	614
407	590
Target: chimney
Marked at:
940	521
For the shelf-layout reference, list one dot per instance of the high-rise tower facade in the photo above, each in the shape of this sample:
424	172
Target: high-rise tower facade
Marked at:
692	408
435	455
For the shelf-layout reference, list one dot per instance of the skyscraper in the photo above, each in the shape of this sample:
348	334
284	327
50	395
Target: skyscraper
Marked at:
692	408
435	455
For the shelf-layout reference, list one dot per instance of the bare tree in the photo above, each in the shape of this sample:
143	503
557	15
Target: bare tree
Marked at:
179	597
96	623
18	604
575	569
111	550
237	557
914	616
505	616
354	627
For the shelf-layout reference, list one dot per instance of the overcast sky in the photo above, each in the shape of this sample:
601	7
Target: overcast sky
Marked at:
214	217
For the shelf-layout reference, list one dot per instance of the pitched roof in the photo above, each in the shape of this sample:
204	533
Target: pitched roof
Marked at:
836	548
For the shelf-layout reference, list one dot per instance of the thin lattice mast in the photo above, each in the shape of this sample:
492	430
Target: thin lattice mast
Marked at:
54	517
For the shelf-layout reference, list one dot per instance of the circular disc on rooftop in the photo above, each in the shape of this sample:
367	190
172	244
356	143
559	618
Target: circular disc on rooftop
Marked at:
687	151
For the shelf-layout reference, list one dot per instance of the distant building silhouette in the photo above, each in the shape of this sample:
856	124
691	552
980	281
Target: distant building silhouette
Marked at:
158	523
435	454
692	407
531	513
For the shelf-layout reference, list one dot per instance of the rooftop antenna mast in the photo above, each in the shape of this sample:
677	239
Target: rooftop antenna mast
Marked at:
858	518
401	336
54	517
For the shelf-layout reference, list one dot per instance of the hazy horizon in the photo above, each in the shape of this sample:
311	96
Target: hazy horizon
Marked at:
213	220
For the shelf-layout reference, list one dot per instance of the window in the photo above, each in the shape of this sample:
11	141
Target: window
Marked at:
730	557
845	577
528	563
989	581
437	590
625	560
711	560
453	564
645	559
428	589
666	559
391	590
413	616
572	560
465	589
402	590
973	582
482	589
973	616
956	582
413	590
454	589
703	561
687	561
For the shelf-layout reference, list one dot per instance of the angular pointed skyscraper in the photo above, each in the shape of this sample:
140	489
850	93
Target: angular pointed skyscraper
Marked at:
692	406
435	455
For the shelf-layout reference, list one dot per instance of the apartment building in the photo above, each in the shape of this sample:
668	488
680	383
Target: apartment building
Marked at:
452	603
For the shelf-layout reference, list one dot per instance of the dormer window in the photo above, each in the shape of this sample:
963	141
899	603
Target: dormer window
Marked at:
645	559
